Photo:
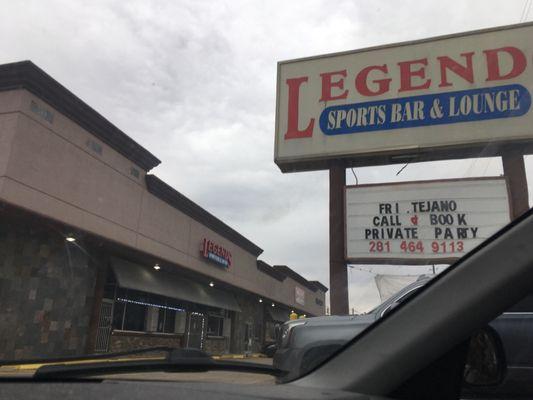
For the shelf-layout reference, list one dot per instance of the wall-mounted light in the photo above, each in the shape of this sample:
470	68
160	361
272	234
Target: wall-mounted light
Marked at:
157	267
70	238
211	284
273	305
260	300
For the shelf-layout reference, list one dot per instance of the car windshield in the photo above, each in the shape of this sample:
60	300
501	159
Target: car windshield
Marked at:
249	179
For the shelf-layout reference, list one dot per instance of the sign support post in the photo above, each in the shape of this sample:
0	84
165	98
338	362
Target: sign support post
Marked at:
338	273
515	171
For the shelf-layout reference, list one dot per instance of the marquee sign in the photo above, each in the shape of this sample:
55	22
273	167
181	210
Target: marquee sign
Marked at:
216	253
423	222
459	90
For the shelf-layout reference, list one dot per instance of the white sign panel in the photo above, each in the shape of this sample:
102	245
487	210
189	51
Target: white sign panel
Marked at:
420	222
299	296
458	90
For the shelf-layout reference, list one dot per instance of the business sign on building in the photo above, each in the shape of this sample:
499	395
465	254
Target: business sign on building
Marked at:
216	253
299	296
410	98
423	222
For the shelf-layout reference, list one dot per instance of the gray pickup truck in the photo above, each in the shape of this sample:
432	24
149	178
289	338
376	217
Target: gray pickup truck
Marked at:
304	344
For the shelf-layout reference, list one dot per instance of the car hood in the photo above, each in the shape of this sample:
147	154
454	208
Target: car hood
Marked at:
340	319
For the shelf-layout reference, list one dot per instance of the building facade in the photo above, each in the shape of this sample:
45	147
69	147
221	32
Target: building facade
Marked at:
97	254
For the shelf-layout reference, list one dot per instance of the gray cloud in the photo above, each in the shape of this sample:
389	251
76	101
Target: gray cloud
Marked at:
194	82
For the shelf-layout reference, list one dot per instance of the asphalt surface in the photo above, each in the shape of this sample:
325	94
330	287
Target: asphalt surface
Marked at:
210	376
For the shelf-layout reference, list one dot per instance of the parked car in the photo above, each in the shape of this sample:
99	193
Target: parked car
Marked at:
304	344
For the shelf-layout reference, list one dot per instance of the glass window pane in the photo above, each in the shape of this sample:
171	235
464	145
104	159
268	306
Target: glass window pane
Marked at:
214	325
180	320
135	316
170	320
161	320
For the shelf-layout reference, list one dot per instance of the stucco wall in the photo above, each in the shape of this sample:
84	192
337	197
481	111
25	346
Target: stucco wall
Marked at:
53	169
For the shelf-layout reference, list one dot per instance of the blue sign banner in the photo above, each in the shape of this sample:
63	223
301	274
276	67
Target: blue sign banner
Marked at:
434	109
219	260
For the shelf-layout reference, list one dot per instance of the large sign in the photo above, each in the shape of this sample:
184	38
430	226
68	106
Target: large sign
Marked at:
216	253
423	222
453	91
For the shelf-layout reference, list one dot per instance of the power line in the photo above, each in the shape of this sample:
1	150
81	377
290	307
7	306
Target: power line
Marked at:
525	10
401	169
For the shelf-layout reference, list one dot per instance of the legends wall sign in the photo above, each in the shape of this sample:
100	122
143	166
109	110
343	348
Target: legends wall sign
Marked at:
216	253
457	90
427	221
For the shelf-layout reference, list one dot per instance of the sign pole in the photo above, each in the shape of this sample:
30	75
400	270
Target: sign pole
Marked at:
338	273
515	171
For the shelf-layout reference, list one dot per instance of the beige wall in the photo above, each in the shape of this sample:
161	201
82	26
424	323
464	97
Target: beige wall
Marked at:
48	168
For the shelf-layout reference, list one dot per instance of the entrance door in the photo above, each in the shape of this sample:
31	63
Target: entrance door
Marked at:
196	331
103	331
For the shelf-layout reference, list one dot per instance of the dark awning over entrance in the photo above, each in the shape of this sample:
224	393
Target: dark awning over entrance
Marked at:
134	276
278	314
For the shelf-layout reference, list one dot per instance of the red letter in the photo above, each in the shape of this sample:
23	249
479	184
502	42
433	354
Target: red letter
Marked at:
493	64
362	79
406	74
292	119
327	85
467	73
205	248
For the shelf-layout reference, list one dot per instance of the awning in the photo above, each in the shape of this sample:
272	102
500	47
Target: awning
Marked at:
137	277
278	314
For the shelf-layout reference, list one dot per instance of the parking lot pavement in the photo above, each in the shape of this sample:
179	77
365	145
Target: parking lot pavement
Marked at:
210	376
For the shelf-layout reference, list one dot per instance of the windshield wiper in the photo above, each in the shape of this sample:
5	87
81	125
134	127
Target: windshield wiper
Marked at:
159	349
177	360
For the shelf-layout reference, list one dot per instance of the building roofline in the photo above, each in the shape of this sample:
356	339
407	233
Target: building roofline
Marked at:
320	286
283	269
267	269
27	75
177	200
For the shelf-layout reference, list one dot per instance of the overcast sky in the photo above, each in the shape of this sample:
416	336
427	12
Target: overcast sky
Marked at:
194	83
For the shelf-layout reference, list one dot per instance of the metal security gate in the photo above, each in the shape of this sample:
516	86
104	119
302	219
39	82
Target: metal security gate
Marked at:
248	337
103	332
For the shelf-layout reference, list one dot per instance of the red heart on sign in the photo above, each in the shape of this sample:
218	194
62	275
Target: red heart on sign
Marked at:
414	219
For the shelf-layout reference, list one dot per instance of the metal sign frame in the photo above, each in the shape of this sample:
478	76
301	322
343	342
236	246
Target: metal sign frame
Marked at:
419	261
411	153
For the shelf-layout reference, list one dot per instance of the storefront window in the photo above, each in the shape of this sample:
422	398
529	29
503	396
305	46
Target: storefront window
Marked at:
215	325
137	311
